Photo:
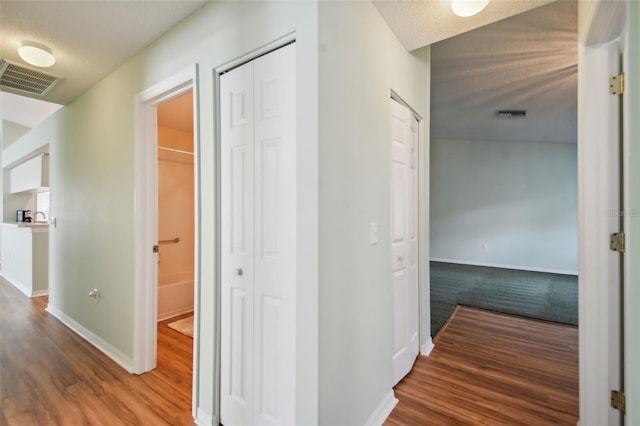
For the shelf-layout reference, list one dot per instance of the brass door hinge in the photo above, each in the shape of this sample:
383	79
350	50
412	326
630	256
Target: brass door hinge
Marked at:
618	400
616	84
616	242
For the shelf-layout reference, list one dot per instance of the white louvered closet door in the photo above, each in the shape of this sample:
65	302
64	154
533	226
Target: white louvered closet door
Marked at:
258	238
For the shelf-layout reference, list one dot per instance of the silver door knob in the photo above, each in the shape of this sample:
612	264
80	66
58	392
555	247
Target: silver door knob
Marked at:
238	272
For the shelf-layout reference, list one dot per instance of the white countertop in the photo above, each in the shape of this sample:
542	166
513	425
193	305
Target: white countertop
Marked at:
31	226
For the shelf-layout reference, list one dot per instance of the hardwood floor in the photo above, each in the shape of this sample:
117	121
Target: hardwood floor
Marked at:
51	376
486	369
493	369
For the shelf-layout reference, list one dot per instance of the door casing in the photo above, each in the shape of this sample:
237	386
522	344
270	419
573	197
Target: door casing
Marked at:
146	219
600	27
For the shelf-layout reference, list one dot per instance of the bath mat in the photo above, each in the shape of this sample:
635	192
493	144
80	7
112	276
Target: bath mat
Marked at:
184	326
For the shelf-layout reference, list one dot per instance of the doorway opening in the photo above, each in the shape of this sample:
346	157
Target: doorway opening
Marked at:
176	238
504	175
175	171
167	224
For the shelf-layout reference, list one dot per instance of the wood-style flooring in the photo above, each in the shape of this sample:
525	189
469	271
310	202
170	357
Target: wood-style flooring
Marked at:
493	369
486	369
51	376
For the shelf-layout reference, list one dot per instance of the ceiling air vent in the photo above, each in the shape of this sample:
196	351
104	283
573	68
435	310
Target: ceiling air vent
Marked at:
512	113
15	77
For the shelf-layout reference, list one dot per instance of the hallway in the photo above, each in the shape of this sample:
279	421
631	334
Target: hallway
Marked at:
50	375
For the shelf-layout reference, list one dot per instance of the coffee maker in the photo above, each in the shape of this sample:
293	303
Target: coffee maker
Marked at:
23	216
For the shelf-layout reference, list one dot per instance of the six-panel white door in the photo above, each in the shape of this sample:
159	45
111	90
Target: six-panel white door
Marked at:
258	239
404	238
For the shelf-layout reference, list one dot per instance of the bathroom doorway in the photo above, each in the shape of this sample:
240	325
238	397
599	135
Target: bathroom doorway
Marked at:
175	168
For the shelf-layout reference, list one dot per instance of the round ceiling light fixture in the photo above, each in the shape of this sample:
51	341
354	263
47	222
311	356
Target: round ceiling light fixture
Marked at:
466	8
38	56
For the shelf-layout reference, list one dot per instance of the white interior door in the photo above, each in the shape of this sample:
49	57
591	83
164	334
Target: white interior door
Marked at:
404	238
237	242
258	241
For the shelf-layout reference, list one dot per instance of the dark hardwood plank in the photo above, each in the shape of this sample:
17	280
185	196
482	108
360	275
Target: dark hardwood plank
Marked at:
493	369
51	376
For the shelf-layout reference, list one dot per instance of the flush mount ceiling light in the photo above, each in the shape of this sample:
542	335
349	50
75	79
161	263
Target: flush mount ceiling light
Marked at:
38	56
466	8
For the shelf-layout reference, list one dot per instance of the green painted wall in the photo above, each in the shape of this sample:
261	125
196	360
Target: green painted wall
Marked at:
361	61
92	179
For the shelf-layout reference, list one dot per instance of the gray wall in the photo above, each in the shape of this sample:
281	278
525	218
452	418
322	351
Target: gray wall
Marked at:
361	61
509	204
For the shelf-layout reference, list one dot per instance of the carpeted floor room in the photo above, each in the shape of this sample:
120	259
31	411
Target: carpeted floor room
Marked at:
551	297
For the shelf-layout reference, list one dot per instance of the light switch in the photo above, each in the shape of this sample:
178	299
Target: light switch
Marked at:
374	233
54	222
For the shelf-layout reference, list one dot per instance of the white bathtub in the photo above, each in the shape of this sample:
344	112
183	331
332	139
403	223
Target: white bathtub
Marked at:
175	299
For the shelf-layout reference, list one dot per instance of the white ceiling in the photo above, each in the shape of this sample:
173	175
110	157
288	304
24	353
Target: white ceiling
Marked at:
418	23
89	38
92	38
528	61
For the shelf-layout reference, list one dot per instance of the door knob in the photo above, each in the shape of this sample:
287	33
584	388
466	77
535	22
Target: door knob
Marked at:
238	272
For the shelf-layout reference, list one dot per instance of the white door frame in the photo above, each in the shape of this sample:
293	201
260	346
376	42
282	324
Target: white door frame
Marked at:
601	23
631	179
146	218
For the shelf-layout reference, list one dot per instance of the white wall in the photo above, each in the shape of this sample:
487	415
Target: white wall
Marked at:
11	132
92	171
26	144
505	204
361	61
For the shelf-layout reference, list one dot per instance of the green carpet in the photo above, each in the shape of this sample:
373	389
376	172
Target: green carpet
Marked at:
551	297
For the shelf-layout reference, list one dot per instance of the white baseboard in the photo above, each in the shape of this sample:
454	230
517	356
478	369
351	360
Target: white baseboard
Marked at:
501	266
383	410
203	419
97	341
175	313
17	284
23	288
426	348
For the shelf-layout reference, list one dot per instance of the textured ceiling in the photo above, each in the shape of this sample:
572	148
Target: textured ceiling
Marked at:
528	61
418	23
90	38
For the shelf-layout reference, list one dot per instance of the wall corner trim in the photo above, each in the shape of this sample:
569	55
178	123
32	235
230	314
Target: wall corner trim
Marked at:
203	419
97	341
427	347
383	410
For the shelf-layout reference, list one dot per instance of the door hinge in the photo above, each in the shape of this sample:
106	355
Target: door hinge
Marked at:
618	400
616	84
616	242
